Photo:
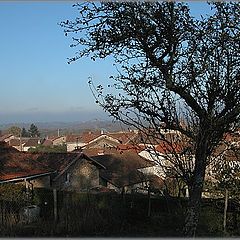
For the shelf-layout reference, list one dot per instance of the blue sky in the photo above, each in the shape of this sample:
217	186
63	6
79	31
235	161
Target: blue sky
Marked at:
37	84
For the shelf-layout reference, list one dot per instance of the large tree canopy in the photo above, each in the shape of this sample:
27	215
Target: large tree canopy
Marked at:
172	69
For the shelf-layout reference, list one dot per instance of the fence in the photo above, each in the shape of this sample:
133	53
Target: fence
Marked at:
9	213
109	214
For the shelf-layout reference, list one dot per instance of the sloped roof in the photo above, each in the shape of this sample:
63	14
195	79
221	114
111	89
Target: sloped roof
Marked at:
121	169
156	182
52	137
93	151
73	137
32	142
166	148
232	137
16	164
59	161
77	157
86	137
2	138
122	137
130	147
120	149
105	140
5	148
47	142
56	161
14	142
143	138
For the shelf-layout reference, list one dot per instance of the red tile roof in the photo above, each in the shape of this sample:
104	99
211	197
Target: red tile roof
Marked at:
130	147
165	148
15	164
88	136
73	138
232	137
56	161
84	137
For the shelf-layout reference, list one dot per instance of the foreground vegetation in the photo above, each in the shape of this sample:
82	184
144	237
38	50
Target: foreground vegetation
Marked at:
111	215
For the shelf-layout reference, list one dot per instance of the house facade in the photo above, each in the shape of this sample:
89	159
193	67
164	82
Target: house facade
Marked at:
81	175
74	141
103	141
59	140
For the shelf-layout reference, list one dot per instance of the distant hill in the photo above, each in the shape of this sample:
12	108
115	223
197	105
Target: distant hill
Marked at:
50	128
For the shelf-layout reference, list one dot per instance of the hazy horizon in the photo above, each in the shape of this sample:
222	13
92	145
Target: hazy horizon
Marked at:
50	117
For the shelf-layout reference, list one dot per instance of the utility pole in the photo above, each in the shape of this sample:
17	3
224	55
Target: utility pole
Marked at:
77	142
55	204
225	212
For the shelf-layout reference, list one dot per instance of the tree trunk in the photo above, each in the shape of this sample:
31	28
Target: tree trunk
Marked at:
193	212
196	187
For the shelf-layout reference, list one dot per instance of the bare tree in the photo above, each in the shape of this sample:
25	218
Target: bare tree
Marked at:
174	72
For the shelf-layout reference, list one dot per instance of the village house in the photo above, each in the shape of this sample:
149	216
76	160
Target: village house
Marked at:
163	157
74	141
122	171
103	141
18	143
59	140
63	171
82	174
7	137
105	162
74	171
31	143
98	140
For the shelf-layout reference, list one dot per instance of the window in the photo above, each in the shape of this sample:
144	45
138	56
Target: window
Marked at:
102	182
67	180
